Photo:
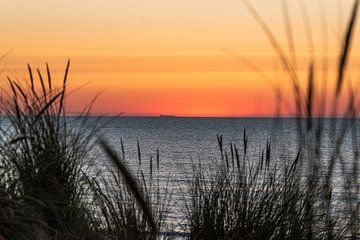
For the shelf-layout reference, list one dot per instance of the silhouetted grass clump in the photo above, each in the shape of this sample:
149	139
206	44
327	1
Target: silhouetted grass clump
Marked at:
256	199
42	160
314	197
46	191
131	206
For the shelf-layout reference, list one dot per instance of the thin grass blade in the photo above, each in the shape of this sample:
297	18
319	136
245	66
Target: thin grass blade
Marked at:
345	48
130	182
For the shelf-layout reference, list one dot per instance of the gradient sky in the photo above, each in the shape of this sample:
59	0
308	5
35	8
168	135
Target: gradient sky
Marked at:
151	57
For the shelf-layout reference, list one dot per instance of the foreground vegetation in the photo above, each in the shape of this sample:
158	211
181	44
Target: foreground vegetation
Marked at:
49	191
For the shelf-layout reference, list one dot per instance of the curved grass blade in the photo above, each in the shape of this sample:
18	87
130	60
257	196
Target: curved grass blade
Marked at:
49	76
345	48
64	87
40	113
42	83
130	182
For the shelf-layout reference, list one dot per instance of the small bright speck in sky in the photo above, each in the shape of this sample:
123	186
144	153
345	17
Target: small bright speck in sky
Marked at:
152	57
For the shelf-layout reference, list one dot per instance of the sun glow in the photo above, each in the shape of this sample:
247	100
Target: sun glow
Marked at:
167	57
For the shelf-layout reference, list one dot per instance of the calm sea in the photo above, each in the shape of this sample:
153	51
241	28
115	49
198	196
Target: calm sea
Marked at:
184	141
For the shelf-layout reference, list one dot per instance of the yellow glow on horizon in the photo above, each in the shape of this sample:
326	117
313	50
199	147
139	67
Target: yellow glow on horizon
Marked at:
152	57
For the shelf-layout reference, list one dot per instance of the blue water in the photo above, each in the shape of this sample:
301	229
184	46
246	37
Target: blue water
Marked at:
184	141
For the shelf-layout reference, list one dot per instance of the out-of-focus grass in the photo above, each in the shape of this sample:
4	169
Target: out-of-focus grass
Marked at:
296	200
45	191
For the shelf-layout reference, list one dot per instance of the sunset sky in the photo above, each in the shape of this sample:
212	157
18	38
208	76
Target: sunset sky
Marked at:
181	57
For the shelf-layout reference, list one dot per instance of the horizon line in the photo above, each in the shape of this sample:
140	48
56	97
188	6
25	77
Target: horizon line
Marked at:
204	116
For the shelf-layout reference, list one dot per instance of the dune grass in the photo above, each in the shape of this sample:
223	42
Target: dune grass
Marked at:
285	200
47	193
263	198
311	103
130	205
46	190
42	161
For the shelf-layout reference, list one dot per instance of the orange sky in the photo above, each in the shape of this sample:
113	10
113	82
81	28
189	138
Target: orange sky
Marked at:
152	57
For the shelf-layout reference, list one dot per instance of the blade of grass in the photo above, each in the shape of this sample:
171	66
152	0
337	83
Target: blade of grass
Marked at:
5	54
49	76
130	182
49	104
139	152
64	87
42	83
286	63
31	78
289	33
310	97
20	90
345	48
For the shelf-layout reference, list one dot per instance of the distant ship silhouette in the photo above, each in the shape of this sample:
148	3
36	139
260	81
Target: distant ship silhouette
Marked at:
167	116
